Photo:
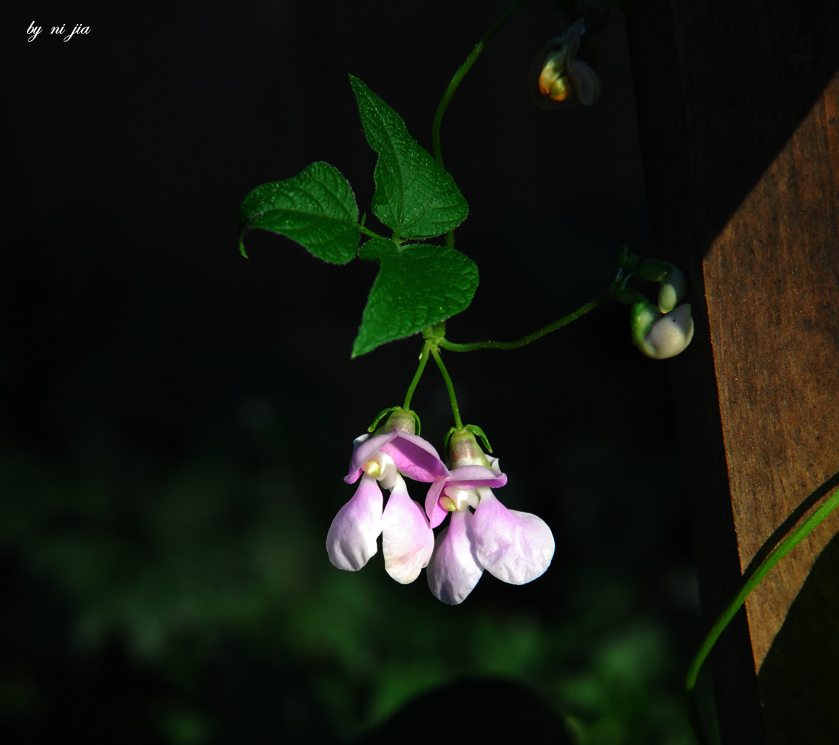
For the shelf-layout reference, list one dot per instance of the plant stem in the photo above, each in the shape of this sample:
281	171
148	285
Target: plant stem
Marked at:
461	73
449	386
423	359
371	233
778	553
455	82
451	346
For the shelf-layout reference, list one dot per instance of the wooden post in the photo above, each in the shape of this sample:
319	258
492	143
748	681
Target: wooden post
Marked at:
738	108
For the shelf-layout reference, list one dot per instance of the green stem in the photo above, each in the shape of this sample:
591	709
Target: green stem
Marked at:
766	565
423	359
449	386
455	82
371	233
461	73
451	346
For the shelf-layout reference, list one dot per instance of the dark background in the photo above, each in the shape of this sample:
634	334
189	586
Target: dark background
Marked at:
175	420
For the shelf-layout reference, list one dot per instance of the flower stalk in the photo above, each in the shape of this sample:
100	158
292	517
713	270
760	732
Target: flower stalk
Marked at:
449	386
426	348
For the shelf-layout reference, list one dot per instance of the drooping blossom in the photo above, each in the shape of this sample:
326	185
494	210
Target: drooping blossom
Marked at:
516	547
558	77
381	461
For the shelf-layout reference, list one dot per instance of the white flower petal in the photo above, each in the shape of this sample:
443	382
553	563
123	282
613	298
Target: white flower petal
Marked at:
516	547
351	540
670	334
454	570
407	539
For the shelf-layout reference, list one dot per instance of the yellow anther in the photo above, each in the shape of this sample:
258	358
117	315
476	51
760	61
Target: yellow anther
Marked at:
447	503
372	468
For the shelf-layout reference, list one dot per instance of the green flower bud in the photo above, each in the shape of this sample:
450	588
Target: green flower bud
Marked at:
672	279
672	290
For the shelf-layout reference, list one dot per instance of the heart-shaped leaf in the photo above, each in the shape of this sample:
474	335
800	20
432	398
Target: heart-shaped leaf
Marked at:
316	208
418	285
414	195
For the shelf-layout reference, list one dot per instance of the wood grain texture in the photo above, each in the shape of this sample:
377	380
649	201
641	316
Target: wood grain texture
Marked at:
777	354
737	106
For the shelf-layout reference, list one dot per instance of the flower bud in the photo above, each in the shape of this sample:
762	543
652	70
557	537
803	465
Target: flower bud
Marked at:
553	82
661	335
557	77
672	290
672	279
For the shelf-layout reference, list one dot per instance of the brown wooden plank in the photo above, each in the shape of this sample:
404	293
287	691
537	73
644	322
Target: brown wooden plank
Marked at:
737	106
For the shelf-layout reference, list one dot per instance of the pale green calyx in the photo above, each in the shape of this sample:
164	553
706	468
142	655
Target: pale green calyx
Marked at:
401	420
661	335
654	270
463	449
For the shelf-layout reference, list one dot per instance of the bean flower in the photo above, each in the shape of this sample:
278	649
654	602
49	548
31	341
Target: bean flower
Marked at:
516	547
558	78
383	461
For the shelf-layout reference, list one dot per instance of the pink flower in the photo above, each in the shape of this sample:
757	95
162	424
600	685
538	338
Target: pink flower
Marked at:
464	477
515	547
407	538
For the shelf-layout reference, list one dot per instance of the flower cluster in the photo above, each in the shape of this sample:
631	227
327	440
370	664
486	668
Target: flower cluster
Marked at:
516	547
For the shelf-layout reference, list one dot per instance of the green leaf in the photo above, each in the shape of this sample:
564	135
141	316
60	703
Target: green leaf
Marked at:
316	208
418	285
414	195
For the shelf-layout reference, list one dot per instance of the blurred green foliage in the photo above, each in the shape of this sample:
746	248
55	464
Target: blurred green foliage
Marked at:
209	562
